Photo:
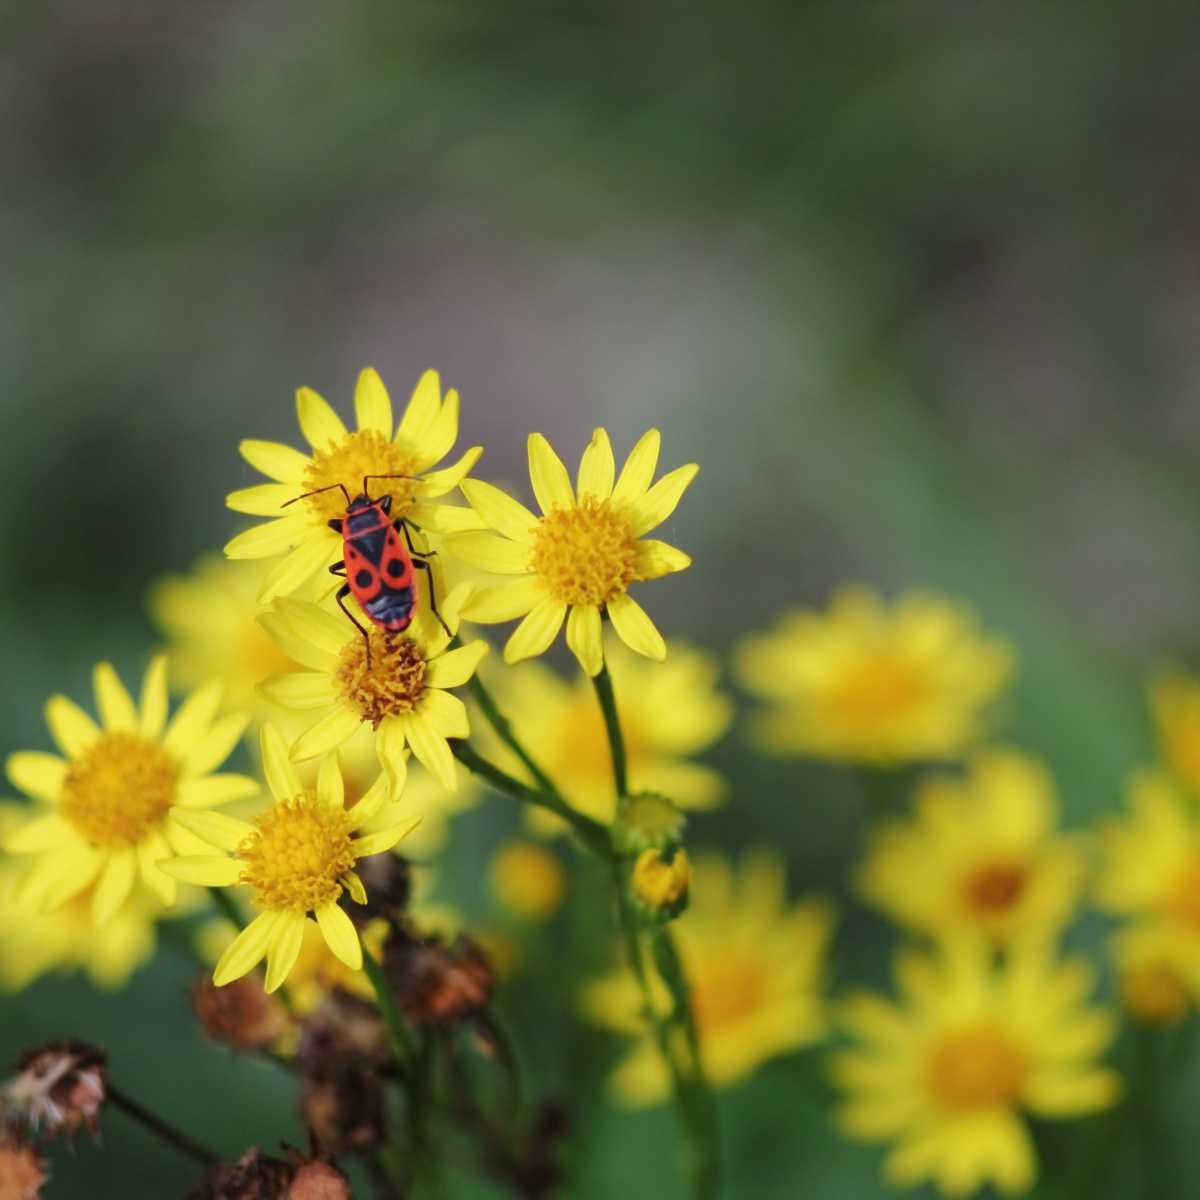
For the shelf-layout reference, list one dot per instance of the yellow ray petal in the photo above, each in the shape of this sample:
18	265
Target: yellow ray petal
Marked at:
445	713
660	501
655	559
535	633
114	886
440	435
262	500
455	667
597	467
217	829
323	629
489	552
151	850
340	935
390	741
421	410
444	518
373	799
372	405
71	728
438	483
584	638
214	790
42	833
330	732
639	469
499	510
300	690
269	538
319	549
154	698
321	426
504	602
385	839
331	791
551	483
275	460
247	950
36	774
193	719
215	746
298	649
635	628
206	870
431	748
277	764
283	948
113	702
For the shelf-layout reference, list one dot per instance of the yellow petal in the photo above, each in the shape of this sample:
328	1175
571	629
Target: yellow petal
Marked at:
422	408
71	728
262	500
431	748
499	510
246	951
446	714
277	764
298	649
333	730
45	833
660	501
351	882
275	460
206	870
214	790
584	638
444	518
655	559
639	469
217	829
340	935
211	750
489	552
321	426
193	719
597	467
635	628
114	886
551	483
300	690
36	774
374	799
438	483
154	698
283	948
385	839
113	702
441	434
330	789
151	851
505	601
372	405
455	667
320	549
270	537
323	629
535	633
390	740
55	878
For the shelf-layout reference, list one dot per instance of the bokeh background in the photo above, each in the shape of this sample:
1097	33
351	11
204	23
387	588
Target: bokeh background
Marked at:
915	283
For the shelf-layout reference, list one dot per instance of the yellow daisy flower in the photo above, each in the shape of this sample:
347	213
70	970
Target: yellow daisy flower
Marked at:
980	855
112	808
400	692
1175	706
425	435
297	858
867	684
1158	966
208	617
755	964
947	1071
1150	859
668	711
577	560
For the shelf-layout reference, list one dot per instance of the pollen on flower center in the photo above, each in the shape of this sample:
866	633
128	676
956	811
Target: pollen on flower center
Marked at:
364	452
879	689
976	1068
586	555
393	682
995	887
119	790
297	856
725	992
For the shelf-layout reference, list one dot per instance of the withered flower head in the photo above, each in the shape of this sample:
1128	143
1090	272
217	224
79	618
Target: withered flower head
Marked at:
438	984
319	1180
258	1176
240	1014
387	879
60	1087
22	1172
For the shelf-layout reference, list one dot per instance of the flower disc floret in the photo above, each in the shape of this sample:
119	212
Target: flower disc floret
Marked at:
363	452
976	1068
119	790
298	854
585	555
390	684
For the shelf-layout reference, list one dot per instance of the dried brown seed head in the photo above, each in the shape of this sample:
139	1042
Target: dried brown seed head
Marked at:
60	1087
22	1172
240	1014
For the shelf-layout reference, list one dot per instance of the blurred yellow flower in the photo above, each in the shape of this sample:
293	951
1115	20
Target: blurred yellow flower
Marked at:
1158	967
208	617
1150	859
425	435
1175	706
659	885
979	856
401	692
527	879
577	560
298	857
947	1071
755	964
115	805
869	684
668	711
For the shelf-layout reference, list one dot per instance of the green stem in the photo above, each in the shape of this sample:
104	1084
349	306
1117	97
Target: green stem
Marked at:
402	1042
612	723
504	731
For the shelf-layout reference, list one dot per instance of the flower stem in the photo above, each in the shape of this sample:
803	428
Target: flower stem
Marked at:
174	1138
504	730
612	723
402	1043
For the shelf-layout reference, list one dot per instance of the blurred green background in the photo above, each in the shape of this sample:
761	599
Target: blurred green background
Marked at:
915	283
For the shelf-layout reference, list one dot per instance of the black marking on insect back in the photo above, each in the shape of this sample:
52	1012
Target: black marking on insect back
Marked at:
363	579
395	567
370	543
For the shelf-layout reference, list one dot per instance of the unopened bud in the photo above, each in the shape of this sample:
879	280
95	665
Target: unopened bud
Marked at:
647	821
660	884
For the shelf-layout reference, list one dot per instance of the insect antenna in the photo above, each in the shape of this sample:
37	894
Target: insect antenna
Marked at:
394	476
317	492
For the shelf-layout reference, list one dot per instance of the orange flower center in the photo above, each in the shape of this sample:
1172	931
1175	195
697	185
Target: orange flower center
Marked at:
585	555
976	1068
393	682
1155	993
879	689
726	991
994	888
1184	901
119	790
364	452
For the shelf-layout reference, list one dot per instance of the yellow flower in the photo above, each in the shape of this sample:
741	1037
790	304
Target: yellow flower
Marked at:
668	712
658	885
577	560
947	1071
979	856
297	858
208	617
425	435
527	879
115	805
1150	860
755	965
866	684
401	691
1175	706
1158	966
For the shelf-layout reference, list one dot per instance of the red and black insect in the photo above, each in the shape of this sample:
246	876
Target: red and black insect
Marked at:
376	564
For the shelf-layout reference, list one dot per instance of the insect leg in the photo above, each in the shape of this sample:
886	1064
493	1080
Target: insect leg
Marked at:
343	592
401	525
419	562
